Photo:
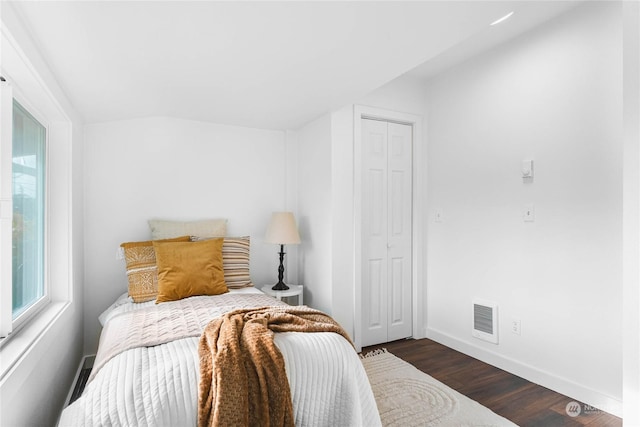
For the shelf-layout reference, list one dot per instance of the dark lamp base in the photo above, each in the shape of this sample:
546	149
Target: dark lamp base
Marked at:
280	286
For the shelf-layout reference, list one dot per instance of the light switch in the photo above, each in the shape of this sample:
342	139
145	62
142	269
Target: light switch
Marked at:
529	213
439	215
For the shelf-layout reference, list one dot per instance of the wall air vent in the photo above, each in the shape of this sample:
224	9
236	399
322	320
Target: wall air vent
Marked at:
485	320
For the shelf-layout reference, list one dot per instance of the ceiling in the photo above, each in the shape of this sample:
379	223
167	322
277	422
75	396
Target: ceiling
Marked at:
270	65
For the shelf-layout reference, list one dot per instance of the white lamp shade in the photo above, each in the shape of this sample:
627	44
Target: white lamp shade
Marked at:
282	229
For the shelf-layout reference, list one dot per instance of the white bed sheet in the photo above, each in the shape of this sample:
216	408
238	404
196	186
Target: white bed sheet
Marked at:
158	386
125	303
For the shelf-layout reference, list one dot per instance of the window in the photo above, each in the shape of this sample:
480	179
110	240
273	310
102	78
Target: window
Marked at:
48	221
28	222
23	290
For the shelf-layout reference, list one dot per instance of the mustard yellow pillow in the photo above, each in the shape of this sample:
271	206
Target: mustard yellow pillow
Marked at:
189	269
142	273
235	261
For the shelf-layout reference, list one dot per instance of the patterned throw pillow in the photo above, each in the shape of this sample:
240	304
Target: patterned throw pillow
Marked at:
142	272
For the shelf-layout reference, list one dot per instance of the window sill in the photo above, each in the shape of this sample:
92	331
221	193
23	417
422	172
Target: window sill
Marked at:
15	346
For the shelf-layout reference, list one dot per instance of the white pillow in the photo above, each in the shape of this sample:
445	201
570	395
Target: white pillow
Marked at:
122	299
163	229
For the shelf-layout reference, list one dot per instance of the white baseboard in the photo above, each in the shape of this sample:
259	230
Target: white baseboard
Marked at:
560	385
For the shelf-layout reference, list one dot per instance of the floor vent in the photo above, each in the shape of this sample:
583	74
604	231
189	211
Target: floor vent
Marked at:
485	321
82	375
80	383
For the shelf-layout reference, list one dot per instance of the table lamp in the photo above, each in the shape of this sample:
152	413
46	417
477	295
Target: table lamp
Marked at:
282	230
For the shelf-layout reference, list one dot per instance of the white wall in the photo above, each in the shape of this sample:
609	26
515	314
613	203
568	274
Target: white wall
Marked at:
631	214
342	219
404	95
315	212
553	95
174	169
47	350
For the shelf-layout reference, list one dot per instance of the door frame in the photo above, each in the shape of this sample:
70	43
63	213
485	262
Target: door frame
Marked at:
417	223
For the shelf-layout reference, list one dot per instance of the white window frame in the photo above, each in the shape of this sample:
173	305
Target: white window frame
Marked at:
6	207
27	72
30	89
6	287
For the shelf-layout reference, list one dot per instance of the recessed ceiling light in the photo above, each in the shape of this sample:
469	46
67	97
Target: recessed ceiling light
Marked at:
504	18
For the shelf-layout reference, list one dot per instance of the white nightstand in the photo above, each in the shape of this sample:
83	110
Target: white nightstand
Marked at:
294	290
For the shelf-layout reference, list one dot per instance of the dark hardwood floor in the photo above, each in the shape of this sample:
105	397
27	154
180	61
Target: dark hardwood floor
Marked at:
510	396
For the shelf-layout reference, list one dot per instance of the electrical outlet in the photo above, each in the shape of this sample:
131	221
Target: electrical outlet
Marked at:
515	326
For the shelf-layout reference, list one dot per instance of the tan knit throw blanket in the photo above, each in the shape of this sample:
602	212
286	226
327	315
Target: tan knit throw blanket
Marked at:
242	374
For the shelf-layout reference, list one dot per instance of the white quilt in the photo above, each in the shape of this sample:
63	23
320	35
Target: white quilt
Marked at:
158	386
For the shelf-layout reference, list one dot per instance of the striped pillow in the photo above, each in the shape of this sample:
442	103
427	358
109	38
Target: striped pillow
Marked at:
235	261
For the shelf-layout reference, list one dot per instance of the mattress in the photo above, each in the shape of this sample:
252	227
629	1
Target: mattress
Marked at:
158	385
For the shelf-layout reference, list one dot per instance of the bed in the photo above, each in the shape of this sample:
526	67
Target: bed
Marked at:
147	367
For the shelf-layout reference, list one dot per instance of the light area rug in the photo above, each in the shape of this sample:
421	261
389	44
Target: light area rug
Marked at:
407	397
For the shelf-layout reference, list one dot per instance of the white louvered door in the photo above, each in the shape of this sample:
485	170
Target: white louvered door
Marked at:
386	231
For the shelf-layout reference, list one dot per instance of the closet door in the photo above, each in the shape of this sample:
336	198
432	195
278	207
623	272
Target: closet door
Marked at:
386	231
399	231
375	270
